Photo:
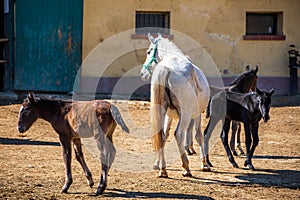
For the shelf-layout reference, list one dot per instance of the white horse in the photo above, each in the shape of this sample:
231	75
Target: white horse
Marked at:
179	89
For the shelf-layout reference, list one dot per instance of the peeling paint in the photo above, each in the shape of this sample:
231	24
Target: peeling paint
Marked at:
206	8
69	44
194	12
59	34
218	36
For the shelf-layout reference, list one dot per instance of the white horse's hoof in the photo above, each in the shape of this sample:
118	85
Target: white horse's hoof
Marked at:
163	174
205	168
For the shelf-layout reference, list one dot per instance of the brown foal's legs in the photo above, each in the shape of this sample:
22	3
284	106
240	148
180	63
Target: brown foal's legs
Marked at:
107	156
67	153
79	157
103	179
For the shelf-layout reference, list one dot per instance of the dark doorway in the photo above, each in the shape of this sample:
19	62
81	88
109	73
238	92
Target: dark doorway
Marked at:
2	64
3	41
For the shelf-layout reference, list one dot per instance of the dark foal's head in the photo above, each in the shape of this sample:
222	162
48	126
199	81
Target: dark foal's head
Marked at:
245	81
264	103
254	78
27	114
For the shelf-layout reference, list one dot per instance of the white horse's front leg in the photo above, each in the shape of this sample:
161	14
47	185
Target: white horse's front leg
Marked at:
166	133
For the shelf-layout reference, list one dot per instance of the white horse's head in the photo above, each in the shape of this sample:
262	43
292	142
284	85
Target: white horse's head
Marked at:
159	49
152	57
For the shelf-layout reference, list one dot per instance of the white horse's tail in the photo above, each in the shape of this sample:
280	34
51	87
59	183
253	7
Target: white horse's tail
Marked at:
158	92
118	118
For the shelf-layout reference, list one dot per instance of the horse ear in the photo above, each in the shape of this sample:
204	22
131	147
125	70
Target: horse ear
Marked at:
258	91
247	68
272	91
151	39
31	97
256	69
159	35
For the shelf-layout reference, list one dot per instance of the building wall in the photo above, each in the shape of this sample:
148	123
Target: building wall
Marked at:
217	25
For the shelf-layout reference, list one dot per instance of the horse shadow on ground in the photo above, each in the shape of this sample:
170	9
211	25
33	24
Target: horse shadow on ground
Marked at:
288	179
15	141
116	193
275	157
275	178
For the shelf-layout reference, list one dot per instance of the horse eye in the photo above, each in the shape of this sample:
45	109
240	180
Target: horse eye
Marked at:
259	100
149	51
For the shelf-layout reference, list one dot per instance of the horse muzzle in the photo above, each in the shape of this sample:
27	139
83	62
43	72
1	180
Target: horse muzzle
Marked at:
266	118
21	129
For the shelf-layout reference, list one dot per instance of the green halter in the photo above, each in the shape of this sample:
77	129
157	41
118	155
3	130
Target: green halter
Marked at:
153	59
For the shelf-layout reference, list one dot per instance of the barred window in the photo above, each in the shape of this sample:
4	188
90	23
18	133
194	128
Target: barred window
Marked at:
153	22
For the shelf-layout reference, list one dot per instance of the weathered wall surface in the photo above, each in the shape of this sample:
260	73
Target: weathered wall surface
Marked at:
217	25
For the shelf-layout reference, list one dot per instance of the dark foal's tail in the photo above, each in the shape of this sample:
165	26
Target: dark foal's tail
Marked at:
118	118
208	109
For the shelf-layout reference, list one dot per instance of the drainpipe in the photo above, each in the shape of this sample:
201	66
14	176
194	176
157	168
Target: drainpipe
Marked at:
293	65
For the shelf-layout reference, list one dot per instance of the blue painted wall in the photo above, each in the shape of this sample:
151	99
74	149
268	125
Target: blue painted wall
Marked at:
48	44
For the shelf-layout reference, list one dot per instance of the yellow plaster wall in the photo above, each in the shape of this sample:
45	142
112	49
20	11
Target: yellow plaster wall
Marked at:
218	25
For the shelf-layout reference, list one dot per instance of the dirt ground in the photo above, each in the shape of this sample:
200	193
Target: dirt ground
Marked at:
31	164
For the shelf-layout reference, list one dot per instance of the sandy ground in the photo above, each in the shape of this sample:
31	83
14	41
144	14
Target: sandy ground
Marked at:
32	168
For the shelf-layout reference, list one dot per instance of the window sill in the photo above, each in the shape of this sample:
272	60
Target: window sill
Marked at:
145	36
264	37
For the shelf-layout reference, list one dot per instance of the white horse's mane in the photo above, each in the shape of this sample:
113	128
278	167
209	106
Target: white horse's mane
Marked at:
170	47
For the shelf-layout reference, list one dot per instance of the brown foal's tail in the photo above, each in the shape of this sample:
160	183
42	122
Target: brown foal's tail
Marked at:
118	118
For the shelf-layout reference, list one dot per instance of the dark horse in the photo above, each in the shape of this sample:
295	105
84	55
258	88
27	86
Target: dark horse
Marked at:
72	120
248	108
241	84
